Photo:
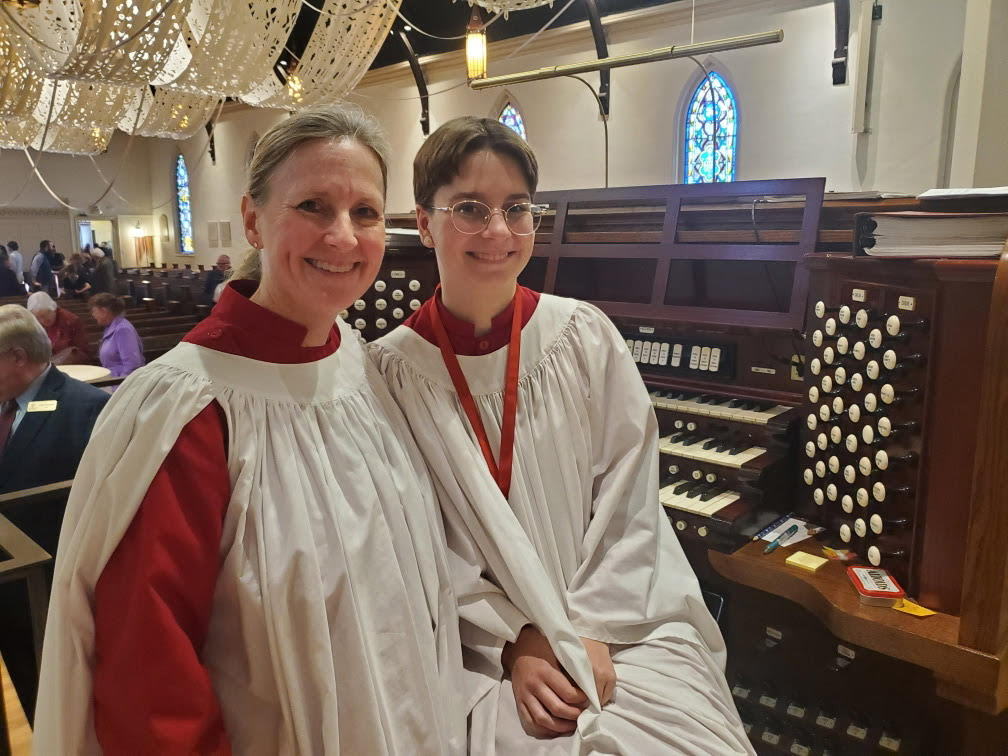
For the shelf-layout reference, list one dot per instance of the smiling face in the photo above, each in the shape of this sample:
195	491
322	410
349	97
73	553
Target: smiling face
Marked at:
321	229
484	265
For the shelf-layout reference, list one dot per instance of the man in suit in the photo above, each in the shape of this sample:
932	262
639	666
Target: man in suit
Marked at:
217	275
46	417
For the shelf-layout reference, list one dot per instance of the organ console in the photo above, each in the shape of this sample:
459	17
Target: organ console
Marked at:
864	394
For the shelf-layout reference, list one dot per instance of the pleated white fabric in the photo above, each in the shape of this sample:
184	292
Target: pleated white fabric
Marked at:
581	548
334	627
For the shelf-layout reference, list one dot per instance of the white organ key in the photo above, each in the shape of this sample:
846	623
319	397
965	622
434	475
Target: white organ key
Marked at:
676	355
645	353
638	346
720	411
655	350
715	359
696	452
704	358
663	353
629	345
694	358
672	500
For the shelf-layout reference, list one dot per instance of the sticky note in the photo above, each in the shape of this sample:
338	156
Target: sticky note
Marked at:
805	561
910	607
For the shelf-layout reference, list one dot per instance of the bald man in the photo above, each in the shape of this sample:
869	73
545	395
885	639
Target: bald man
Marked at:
220	272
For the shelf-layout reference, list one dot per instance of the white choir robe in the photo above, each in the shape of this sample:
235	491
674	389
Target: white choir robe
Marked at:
580	548
334	627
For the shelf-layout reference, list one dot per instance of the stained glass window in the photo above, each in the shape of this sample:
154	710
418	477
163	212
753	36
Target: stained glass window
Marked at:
511	118
184	210
711	133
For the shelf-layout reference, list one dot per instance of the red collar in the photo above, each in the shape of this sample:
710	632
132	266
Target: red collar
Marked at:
237	325
461	332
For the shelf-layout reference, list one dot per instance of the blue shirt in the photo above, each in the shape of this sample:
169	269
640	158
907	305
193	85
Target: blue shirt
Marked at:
28	395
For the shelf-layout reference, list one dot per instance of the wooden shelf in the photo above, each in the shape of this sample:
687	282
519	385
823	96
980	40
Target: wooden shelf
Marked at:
965	675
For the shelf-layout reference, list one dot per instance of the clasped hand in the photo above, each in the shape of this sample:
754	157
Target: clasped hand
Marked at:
548	702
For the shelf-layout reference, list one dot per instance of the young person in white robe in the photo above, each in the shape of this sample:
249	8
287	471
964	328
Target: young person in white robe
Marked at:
252	559
575	597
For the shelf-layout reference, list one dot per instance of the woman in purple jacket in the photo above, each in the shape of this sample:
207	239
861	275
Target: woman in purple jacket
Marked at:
121	350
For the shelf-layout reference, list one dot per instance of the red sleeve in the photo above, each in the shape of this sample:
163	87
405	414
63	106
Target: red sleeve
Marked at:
152	606
78	337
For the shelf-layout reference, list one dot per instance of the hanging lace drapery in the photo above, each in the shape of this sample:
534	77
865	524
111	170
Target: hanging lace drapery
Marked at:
27	132
123	42
170	114
88	105
20	86
506	6
346	38
236	50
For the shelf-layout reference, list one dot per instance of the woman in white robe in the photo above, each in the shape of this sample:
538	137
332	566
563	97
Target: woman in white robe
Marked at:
252	559
564	562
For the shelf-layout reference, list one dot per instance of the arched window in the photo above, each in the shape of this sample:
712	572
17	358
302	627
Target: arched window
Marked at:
184	210
511	118
711	133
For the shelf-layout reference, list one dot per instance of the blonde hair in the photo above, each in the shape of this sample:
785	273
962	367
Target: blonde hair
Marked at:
20	330
323	122
250	268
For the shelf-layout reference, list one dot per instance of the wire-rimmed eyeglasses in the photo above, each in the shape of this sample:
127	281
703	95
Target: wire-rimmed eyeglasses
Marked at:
472	216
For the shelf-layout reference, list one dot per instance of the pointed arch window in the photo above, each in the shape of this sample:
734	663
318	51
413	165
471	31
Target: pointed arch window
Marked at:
511	118
711	132
184	208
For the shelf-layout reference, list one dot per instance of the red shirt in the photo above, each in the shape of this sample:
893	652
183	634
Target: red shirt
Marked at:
462	333
152	603
67	331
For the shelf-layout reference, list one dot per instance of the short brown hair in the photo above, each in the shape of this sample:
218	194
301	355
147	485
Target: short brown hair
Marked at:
440	157
110	302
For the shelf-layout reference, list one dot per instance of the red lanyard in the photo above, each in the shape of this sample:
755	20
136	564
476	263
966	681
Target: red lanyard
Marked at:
501	473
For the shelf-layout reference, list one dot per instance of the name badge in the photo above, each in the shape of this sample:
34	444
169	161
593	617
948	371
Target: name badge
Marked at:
49	405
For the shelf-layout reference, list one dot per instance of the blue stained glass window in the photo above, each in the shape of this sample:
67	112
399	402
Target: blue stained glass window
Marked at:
184	209
711	133
511	118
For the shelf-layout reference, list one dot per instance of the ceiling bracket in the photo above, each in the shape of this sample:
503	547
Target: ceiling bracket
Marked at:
420	79
602	51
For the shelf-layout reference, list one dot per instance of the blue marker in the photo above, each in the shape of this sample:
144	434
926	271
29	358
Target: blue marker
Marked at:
782	537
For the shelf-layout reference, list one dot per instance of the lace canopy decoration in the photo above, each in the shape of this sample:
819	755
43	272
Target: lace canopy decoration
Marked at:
89	105
113	41
19	85
506	6
347	36
235	51
170	114
27	132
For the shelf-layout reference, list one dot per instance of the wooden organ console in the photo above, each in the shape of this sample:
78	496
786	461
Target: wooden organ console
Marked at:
738	301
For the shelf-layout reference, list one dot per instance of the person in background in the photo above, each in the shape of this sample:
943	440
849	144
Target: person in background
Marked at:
252	560
121	349
9	285
41	274
16	260
76	278
46	419
64	329
103	278
578	602
217	275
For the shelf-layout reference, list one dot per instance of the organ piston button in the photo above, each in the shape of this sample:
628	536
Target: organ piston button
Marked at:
892	325
702	531
875	338
889	359
874	556
878	491
860	527
817	496
379	285
851	442
858	350
414	285
820	308
397	295
360	304
680	525
840	375
847	503
398	314
811	421
844	314
824	412
861	318
845	533
697	474
864	466
872	370
815	366
836	435
414	304
888	393
849	473
817	337
838	405
381	323
679	425
673	469
820	469
360	324
870	403
821	441
831	492
868	434
710	478
827	383
875	523
808	476
813	394
884	426
828	355
345	314
834	464
380	304
842	345
857	382
809	449
862	497
691	427
854	413
830	326
882	459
